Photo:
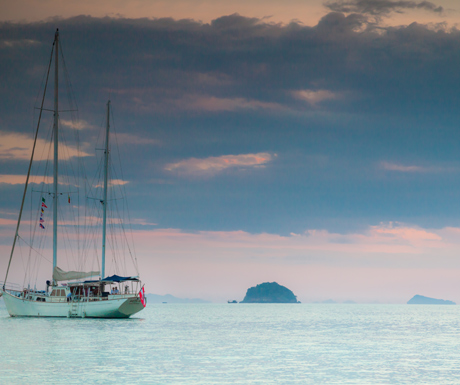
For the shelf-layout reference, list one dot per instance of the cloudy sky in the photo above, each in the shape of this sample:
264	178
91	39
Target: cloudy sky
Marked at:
312	143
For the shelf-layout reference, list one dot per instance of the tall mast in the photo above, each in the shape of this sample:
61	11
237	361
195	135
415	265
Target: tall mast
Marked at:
104	202
56	142
16	235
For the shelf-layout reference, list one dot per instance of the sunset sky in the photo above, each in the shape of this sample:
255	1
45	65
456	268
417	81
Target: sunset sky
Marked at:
312	143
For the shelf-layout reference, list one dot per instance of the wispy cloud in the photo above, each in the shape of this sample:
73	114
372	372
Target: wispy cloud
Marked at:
19	146
33	179
380	7
314	97
170	101
8	222
18	43
404	168
214	165
113	182
77	125
134	139
390	238
143	222
12	179
213	103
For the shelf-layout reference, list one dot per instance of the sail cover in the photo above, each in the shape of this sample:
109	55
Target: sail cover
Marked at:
61	275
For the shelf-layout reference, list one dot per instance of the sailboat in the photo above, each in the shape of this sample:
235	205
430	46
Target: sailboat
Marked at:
72	293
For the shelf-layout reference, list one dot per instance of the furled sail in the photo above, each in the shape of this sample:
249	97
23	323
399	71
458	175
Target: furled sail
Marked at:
61	275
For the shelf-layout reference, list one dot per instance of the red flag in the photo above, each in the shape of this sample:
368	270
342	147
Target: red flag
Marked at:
68	197
142	296
45	206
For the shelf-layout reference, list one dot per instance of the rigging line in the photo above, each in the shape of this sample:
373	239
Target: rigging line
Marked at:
34	224
80	165
96	176
92	231
69	171
22	260
68	164
115	242
123	189
72	100
66	237
28	172
31	196
123	229
89	226
25	268
32	233
40	254
124	241
48	140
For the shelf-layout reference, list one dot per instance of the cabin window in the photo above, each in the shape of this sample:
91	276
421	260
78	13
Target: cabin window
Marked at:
62	293
53	293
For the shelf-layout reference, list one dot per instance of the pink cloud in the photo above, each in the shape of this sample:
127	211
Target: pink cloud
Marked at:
169	101
314	97
19	146
8	222
21	179
214	104
137	140
18	43
113	182
387	262
12	179
214	165
390	262
77	125
401	168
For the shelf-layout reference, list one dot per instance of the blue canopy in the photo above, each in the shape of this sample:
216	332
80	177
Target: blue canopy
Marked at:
117	278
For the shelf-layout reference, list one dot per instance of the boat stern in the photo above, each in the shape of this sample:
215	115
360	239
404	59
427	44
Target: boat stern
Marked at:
131	306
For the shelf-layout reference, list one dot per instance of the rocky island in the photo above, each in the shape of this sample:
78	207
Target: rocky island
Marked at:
269	292
421	300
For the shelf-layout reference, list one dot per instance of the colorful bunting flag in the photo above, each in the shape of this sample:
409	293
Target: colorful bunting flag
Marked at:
41	214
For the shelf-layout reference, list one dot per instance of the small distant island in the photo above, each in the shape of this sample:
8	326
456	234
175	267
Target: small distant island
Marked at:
421	300
269	292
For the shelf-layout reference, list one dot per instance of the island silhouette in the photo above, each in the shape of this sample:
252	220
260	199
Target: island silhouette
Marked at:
421	300
269	292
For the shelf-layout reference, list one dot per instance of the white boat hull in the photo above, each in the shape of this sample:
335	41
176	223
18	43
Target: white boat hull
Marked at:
115	307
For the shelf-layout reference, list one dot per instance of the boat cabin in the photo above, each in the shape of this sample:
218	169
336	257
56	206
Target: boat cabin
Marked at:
110	288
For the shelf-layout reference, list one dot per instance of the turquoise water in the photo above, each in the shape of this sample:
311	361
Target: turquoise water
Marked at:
238	344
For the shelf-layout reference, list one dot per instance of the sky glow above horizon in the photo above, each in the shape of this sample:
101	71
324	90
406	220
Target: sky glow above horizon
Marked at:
320	149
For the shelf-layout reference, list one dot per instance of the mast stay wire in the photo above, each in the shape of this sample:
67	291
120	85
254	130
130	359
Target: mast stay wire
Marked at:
123	192
28	172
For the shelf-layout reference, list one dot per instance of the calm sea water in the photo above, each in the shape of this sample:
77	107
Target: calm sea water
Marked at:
238	344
